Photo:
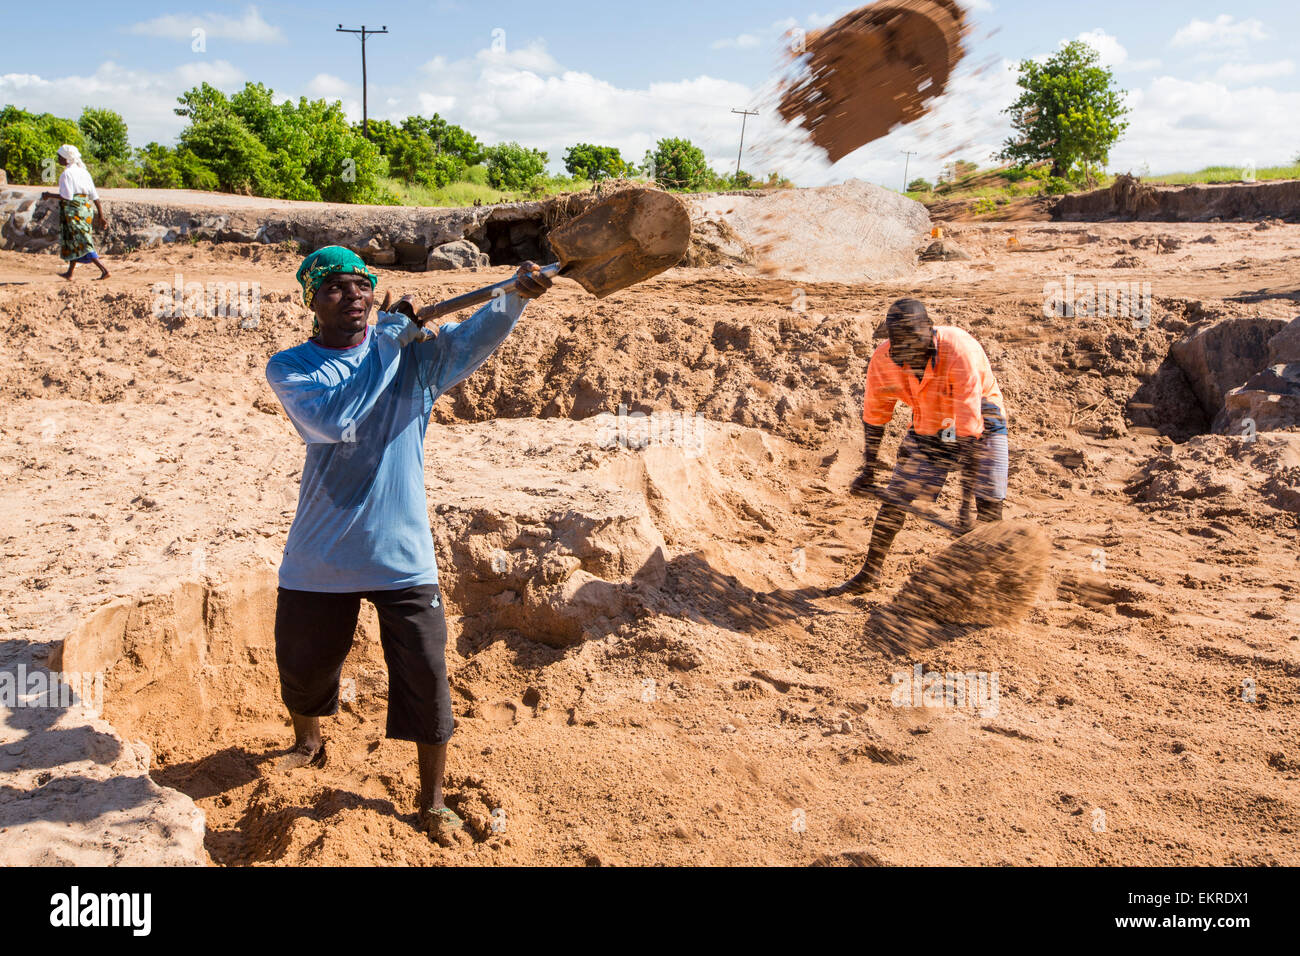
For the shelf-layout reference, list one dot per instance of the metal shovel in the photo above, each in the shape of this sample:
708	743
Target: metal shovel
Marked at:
623	239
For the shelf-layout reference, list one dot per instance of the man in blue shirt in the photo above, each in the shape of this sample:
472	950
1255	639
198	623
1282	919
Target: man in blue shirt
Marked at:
360	397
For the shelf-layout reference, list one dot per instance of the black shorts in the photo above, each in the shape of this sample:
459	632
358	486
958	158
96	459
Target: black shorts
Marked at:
313	634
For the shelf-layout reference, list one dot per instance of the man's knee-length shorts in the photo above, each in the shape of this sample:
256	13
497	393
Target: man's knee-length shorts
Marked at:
313	634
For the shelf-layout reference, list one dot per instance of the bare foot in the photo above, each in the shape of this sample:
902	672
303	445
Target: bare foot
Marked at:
102	275
443	826
304	755
66	275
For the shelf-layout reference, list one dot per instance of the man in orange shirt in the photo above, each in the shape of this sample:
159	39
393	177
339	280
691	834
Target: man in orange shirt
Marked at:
958	421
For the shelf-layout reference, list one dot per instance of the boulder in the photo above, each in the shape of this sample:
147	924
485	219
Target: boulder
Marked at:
1219	357
943	250
1271	399
1285	346
460	254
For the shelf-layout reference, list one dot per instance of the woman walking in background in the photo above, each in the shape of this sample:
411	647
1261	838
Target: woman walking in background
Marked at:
76	220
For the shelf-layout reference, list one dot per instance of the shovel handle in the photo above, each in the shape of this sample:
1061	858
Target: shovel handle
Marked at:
478	296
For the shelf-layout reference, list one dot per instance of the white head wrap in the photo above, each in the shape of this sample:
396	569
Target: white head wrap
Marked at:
72	155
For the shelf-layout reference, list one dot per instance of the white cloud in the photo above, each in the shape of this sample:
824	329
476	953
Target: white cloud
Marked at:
532	57
1245	73
1181	125
251	28
1112	53
145	100
326	86
1223	31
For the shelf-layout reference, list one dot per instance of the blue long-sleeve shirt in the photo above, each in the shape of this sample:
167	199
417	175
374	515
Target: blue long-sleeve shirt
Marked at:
362	521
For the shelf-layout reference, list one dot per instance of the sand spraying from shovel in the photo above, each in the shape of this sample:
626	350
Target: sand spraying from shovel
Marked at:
988	577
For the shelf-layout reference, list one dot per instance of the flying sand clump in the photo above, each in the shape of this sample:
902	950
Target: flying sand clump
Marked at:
872	70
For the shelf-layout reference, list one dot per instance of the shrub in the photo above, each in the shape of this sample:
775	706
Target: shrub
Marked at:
105	133
511	166
29	143
586	161
678	164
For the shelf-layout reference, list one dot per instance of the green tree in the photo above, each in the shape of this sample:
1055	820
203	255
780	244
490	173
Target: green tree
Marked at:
678	164
164	168
919	185
228	147
511	166
291	150
105	133
29	143
594	162
203	102
1069	112
447	138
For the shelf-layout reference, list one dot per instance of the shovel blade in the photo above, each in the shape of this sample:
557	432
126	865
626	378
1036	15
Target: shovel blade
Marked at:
622	240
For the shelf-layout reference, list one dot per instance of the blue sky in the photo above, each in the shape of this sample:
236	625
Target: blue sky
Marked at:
1209	82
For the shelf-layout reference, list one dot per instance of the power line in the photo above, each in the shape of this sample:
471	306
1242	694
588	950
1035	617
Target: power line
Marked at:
365	118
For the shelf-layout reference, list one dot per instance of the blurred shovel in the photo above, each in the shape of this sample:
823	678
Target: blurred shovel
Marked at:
623	239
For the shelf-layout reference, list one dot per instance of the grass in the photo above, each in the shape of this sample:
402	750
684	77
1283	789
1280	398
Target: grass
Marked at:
476	187
1225	174
1001	185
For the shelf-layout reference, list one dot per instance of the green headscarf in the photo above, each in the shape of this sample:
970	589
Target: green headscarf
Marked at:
323	263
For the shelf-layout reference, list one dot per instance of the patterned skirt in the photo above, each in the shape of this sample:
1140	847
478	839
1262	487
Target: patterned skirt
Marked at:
76	240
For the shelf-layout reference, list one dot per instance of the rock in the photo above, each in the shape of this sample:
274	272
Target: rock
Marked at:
943	250
1219	357
1285	346
4	179
1271	399
460	254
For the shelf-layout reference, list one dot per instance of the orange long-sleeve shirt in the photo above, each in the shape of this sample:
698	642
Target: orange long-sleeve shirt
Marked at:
951	391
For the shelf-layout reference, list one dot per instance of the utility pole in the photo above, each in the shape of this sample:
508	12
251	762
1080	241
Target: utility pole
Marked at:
744	115
365	118
909	153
